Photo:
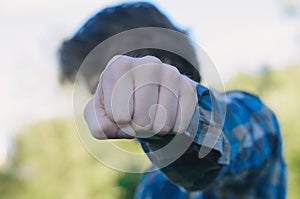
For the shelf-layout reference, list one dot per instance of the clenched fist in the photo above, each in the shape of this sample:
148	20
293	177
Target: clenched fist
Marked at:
140	97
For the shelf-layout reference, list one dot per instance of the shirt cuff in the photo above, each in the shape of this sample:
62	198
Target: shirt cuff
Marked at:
208	134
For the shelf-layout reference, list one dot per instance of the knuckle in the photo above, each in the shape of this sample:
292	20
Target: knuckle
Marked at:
119	63
141	126
162	131
171	71
121	59
178	130
166	129
174	70
122	119
152	64
151	59
187	86
139	129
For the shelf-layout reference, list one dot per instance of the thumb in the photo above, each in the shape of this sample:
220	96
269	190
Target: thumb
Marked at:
100	126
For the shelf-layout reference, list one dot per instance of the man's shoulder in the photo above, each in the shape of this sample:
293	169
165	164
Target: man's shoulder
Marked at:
248	100
241	94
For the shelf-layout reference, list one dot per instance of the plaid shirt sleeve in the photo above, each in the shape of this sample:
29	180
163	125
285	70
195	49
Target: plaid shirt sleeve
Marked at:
236	152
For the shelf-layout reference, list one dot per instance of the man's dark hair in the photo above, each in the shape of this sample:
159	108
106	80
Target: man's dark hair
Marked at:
113	20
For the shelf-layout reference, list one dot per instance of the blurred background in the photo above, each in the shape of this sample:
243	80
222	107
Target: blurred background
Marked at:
255	45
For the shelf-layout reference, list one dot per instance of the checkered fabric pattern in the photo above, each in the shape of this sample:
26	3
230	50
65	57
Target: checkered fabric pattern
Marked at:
236	153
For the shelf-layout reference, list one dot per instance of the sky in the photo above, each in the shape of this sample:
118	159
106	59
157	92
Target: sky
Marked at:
237	35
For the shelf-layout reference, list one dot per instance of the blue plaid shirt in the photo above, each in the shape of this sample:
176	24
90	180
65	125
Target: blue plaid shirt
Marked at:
243	160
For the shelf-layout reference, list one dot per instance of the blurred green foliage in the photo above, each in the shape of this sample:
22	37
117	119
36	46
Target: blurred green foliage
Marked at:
50	162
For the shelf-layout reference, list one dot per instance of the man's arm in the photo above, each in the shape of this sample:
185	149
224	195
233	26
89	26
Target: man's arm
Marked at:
248	148
224	143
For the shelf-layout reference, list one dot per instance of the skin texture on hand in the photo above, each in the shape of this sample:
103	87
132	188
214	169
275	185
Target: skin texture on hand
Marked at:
140	97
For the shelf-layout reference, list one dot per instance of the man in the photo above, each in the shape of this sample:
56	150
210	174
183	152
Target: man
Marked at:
242	146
